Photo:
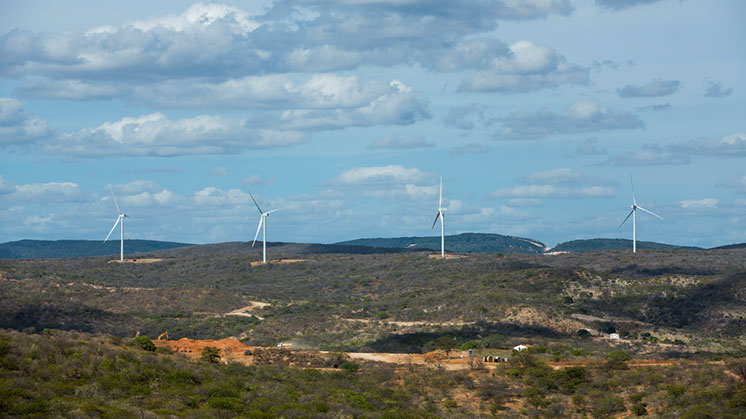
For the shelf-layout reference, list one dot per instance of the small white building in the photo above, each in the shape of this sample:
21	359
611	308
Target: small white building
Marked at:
520	348
614	336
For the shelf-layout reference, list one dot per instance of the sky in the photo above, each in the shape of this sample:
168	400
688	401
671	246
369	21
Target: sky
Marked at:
345	114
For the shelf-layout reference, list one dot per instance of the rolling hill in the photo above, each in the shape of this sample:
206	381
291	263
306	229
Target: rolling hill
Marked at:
32	249
460	243
593	245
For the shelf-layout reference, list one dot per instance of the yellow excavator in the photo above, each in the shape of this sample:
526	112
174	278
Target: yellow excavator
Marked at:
164	334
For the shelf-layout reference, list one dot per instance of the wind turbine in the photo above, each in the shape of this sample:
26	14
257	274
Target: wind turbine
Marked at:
440	215
633	213
120	218
262	222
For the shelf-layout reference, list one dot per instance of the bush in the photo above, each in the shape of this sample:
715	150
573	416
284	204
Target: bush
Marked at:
608	405
582	333
210	354
640	409
144	343
350	366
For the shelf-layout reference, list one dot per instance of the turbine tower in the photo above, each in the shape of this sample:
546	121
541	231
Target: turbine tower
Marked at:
120	219
440	215
633	213
262	223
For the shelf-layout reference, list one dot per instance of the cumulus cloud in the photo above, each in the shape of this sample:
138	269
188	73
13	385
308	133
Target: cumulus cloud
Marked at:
526	67
381	175
585	116
396	143
733	145
156	135
655	88
701	203
716	89
16	127
5	186
550	191
216	40
47	192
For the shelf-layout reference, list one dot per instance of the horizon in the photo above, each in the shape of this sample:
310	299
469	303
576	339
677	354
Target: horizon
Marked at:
345	115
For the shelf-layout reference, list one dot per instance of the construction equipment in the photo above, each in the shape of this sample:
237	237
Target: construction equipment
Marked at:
163	334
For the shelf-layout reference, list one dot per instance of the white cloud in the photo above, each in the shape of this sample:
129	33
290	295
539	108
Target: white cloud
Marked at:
5	186
256	180
584	116
738	184
16	127
214	196
550	191
156	135
730	145
589	148
702	203
381	175
527	67
47	192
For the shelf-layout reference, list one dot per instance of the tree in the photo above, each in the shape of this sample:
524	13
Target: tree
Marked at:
143	342
210	354
446	343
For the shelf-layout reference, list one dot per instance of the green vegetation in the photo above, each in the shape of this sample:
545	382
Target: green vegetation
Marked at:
28	249
459	243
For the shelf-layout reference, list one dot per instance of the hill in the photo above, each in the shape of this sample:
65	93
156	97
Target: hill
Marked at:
731	246
33	249
460	243
593	245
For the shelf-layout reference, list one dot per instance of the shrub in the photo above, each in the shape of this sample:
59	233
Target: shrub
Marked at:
144	343
608	405
640	409
349	366
582	333
210	354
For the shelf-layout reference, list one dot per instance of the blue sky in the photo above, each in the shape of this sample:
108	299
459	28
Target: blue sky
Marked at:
345	113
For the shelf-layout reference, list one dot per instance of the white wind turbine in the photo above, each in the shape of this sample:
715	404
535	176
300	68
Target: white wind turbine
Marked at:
633	213
440	215
262	222
120	219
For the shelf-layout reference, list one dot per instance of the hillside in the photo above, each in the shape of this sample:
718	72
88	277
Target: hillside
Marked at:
593	245
460	243
731	246
31	249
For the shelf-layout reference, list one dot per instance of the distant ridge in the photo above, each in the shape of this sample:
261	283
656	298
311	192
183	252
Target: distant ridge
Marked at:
33	249
731	246
593	245
459	243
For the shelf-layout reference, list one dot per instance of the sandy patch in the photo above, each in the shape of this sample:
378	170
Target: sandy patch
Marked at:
143	260
259	262
448	256
246	311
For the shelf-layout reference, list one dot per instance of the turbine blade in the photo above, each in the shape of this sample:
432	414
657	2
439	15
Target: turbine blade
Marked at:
436	220
625	220
270	212
115	199
650	212
257	205
634	201
112	229
259	227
